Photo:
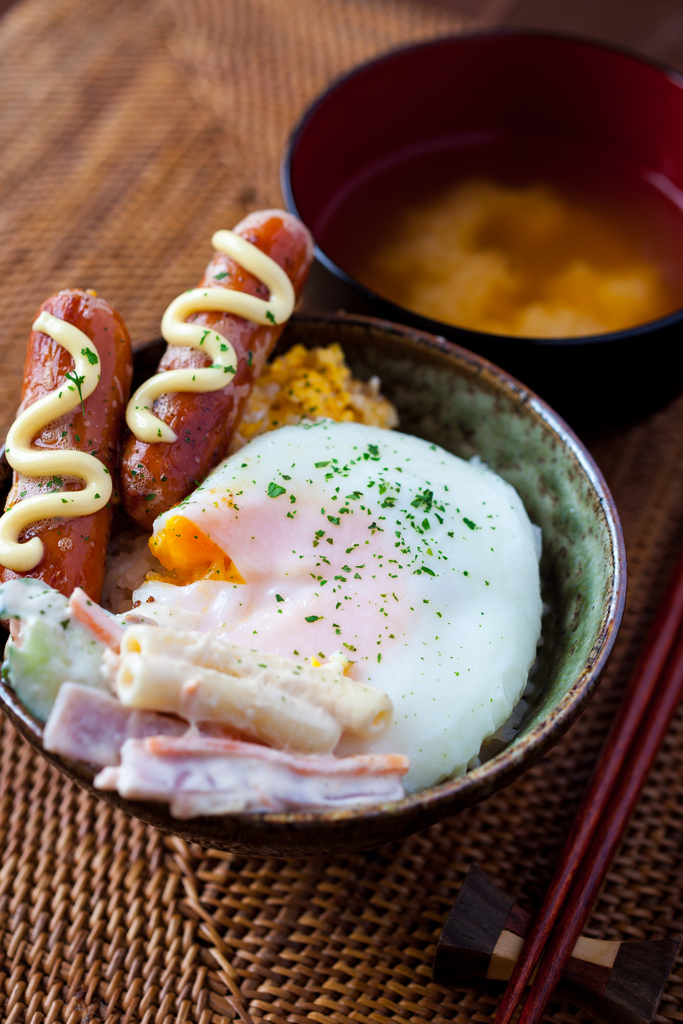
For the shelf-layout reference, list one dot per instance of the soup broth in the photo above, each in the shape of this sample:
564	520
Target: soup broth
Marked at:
532	237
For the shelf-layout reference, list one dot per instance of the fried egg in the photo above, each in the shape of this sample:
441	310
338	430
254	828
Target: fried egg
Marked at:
328	537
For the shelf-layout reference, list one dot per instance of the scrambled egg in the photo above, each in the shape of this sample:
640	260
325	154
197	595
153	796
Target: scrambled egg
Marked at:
311	384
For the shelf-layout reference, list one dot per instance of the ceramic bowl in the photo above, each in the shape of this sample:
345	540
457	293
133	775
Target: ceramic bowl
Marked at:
447	99
455	399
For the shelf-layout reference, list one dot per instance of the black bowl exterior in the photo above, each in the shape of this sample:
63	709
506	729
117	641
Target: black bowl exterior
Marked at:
605	378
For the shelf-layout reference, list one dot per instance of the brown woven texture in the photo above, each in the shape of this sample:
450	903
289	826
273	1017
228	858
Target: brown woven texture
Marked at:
129	131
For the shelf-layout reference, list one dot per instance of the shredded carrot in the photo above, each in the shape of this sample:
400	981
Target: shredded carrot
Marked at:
94	618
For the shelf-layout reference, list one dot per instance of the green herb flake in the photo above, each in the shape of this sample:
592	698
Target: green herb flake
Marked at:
78	381
274	490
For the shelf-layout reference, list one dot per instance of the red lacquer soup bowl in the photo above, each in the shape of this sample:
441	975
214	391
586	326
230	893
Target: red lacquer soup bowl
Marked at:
519	107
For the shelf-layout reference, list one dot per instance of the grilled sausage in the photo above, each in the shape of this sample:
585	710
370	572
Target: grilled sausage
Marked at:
156	476
75	548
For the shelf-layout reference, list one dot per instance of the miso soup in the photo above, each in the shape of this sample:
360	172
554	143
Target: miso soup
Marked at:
531	236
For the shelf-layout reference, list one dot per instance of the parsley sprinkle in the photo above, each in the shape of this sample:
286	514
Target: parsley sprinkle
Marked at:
78	381
313	618
148	497
274	490
424	498
278	598
89	355
468	522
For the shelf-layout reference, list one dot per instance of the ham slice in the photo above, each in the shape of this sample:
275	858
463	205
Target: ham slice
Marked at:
89	725
200	775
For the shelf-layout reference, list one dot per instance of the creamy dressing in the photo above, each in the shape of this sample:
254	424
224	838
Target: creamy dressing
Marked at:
23	458
176	331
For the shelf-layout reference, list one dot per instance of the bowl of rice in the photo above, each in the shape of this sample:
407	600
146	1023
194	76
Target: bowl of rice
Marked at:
365	371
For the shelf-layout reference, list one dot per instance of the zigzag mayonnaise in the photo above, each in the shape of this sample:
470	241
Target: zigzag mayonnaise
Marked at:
176	331
23	458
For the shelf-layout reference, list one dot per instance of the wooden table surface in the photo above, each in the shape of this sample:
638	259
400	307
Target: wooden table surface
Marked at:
651	27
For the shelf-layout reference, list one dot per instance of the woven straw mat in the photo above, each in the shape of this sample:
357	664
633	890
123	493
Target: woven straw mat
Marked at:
129	131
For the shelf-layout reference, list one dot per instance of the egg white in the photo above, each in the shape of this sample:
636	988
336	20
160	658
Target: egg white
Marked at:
421	567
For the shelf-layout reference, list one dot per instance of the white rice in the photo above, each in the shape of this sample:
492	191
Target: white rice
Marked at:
128	562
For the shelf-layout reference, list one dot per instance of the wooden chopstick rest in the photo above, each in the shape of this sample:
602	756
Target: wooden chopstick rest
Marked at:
619	982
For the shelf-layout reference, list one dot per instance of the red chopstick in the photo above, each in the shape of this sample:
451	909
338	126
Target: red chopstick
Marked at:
650	700
607	837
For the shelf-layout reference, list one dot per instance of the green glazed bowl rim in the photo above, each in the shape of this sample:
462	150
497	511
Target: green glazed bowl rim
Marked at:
476	784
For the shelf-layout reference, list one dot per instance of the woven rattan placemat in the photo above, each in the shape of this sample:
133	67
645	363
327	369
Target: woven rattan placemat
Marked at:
128	132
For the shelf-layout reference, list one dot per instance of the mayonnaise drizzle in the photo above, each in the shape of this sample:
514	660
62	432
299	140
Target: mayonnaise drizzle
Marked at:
22	557
278	308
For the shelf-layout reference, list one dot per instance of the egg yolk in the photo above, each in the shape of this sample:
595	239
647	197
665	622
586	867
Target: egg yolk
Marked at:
190	555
